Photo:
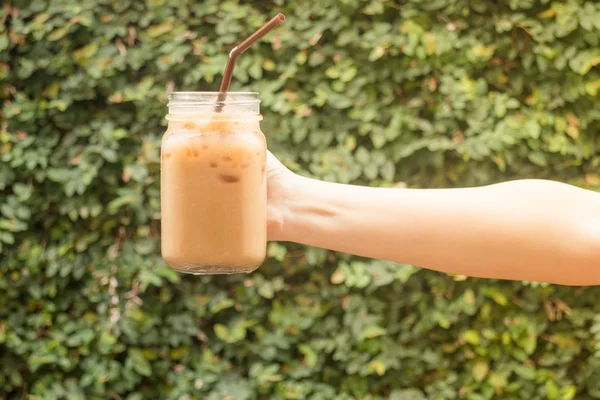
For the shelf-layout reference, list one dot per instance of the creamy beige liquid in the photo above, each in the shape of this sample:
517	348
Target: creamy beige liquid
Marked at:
213	195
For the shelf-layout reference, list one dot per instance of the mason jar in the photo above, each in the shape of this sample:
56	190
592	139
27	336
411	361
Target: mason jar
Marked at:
213	184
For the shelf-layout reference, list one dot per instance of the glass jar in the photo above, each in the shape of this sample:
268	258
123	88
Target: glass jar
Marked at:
213	184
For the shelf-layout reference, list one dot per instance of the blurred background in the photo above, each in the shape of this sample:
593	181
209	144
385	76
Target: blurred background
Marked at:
438	93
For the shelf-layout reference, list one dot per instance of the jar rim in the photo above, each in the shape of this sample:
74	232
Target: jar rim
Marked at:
186	103
211	97
208	92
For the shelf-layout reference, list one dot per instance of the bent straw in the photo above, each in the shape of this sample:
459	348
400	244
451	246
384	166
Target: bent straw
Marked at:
239	49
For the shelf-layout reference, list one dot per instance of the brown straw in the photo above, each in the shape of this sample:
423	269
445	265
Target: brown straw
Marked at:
239	49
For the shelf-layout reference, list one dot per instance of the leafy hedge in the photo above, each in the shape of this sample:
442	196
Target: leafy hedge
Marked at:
385	92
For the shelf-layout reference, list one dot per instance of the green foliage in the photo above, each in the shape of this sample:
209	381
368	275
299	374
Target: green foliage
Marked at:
422	94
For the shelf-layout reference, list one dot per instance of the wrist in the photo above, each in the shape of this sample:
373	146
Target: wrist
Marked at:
307	210
283	193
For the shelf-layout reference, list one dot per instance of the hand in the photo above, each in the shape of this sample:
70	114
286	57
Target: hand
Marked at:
279	179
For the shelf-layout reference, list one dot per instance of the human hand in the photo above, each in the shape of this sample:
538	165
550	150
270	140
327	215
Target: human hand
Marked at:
279	184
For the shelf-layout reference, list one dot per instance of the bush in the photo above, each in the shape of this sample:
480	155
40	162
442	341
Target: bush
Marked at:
424	94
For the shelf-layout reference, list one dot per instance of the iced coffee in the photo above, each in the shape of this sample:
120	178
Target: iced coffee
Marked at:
213	185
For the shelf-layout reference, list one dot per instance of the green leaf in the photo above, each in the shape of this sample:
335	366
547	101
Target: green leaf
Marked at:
483	51
338	276
4	42
480	370
222	332
58	33
160	29
22	191
497	381
362	156
376	53
147	278
525	371
310	356
405	271
496	295
552	390
472	337
301	58
533	128
348	74
86	52
106	342
538	158
371	171
372	331
388	171
441	319
377	367
500	109
568	392
266	290
512	103
469	297
138	363
378	138
407	394
145	246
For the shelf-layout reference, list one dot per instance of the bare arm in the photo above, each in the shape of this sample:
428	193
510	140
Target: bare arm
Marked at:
522	230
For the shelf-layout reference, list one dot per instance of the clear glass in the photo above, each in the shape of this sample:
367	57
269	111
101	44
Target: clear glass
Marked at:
213	184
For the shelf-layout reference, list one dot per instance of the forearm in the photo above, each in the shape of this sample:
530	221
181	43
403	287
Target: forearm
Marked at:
524	230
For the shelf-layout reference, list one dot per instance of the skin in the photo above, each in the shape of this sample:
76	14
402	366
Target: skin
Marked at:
533	230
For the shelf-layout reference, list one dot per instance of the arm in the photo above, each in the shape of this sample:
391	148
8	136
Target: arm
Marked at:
522	230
